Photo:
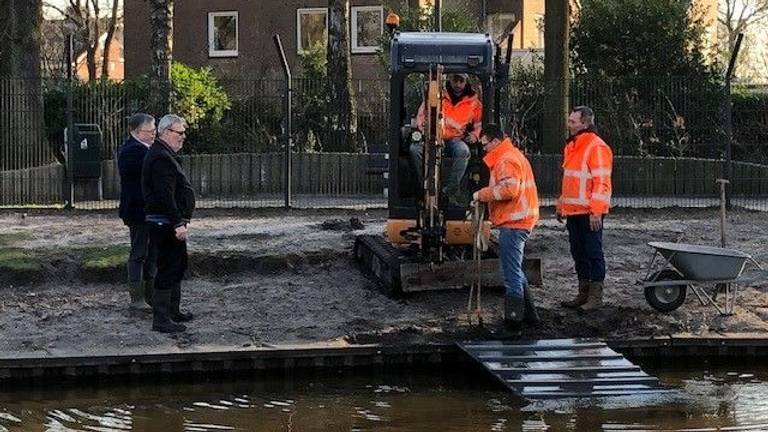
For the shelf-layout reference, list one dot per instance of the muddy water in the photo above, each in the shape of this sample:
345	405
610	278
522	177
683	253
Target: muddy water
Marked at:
708	400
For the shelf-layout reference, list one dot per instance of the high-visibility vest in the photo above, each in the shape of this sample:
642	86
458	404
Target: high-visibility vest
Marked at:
468	110
587	165
511	192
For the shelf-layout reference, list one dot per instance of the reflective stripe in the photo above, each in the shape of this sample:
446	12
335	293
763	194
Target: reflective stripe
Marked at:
452	123
578	201
601	197
574	173
496	193
601	172
528	184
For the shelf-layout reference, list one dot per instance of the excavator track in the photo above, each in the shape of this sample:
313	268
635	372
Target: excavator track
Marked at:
381	259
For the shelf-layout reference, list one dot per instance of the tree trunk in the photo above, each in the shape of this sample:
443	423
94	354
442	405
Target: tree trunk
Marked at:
342	110
556	74
108	42
22	142
161	45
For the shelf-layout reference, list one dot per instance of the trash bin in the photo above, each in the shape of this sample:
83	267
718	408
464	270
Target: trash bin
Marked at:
85	151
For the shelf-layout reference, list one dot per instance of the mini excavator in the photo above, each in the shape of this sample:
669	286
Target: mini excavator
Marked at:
429	239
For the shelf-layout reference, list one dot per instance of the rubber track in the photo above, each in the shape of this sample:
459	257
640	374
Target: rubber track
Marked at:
381	259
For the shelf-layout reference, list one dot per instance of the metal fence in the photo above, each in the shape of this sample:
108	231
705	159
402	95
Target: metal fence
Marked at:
669	144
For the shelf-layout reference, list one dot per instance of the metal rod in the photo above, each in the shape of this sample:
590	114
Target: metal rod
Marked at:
288	117
723	206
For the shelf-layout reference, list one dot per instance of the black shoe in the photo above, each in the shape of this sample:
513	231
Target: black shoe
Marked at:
181	316
161	316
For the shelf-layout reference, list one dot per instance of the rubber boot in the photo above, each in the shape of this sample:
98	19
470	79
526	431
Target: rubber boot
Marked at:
531	316
136	288
514	313
580	299
176	314
594	297
149	286
161	313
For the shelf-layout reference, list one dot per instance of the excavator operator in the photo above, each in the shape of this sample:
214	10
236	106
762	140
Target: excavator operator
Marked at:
462	121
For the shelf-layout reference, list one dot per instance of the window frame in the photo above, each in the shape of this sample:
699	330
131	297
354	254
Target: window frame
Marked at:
501	15
353	28
214	53
299	13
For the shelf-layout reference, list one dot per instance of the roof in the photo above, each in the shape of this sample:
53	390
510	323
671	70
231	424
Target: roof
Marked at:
457	52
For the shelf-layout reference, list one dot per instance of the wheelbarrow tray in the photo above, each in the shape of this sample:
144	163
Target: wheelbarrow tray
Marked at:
703	263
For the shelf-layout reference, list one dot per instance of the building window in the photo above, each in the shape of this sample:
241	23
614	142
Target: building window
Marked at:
497	23
222	34
367	27
311	28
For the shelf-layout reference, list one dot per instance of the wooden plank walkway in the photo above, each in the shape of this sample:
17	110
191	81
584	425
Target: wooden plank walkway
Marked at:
561	368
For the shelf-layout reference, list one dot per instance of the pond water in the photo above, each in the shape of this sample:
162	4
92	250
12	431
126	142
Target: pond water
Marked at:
708	399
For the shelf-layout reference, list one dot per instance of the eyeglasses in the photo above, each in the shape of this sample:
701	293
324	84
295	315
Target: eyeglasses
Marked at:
180	133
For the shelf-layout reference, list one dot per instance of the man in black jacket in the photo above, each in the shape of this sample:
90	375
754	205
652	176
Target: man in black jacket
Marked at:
170	202
141	261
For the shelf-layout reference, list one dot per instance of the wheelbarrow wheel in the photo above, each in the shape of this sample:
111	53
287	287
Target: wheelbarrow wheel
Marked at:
665	298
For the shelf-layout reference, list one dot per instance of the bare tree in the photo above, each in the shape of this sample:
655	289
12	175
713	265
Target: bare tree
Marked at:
740	16
91	23
161	44
342	103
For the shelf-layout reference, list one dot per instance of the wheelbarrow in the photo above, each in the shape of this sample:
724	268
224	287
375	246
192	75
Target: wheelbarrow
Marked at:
677	267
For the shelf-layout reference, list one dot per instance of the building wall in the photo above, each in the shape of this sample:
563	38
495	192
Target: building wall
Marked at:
257	22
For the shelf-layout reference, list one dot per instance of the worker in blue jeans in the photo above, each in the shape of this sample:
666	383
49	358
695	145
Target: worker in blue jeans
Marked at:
514	209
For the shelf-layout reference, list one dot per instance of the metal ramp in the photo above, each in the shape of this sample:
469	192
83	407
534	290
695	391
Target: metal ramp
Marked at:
562	368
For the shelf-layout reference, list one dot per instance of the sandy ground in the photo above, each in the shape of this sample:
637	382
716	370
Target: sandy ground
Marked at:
262	278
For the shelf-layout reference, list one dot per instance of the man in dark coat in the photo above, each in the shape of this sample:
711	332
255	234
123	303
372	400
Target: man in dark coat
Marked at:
141	261
170	202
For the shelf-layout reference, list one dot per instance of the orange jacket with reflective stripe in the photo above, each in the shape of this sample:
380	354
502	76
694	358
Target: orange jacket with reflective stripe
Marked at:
587	165
468	110
511	193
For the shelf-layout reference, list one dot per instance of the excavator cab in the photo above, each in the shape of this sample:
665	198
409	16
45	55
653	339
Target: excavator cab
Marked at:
429	238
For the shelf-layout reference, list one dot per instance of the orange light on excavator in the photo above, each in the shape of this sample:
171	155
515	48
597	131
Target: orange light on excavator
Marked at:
393	21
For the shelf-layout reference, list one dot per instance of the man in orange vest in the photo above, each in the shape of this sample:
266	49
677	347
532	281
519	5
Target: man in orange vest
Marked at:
514	209
462	119
584	202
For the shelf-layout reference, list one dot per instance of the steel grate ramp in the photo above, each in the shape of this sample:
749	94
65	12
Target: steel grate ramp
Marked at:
562	368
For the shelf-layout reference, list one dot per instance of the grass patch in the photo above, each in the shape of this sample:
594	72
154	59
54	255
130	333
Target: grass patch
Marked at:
15	260
103	257
7	239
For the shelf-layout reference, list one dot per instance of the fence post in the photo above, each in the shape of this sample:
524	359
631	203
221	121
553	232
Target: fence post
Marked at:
288	117
728	120
69	188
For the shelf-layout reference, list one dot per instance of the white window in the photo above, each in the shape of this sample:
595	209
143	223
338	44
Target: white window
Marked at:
496	24
222	34
311	28
367	28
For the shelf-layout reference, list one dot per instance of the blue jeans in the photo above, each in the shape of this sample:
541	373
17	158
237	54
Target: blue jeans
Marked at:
512	242
458	152
586	248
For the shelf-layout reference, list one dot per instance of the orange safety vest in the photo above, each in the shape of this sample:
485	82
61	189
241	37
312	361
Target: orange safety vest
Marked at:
468	110
511	192
587	165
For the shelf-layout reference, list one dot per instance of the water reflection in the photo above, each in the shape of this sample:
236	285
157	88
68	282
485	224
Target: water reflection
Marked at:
708	400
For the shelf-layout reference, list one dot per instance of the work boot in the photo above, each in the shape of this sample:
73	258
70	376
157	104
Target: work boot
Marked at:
580	299
149	286
531	316
176	314
594	297
514	313
136	288
161	313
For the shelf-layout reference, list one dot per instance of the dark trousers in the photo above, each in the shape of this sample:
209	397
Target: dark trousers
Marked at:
586	248
143	256
171	257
